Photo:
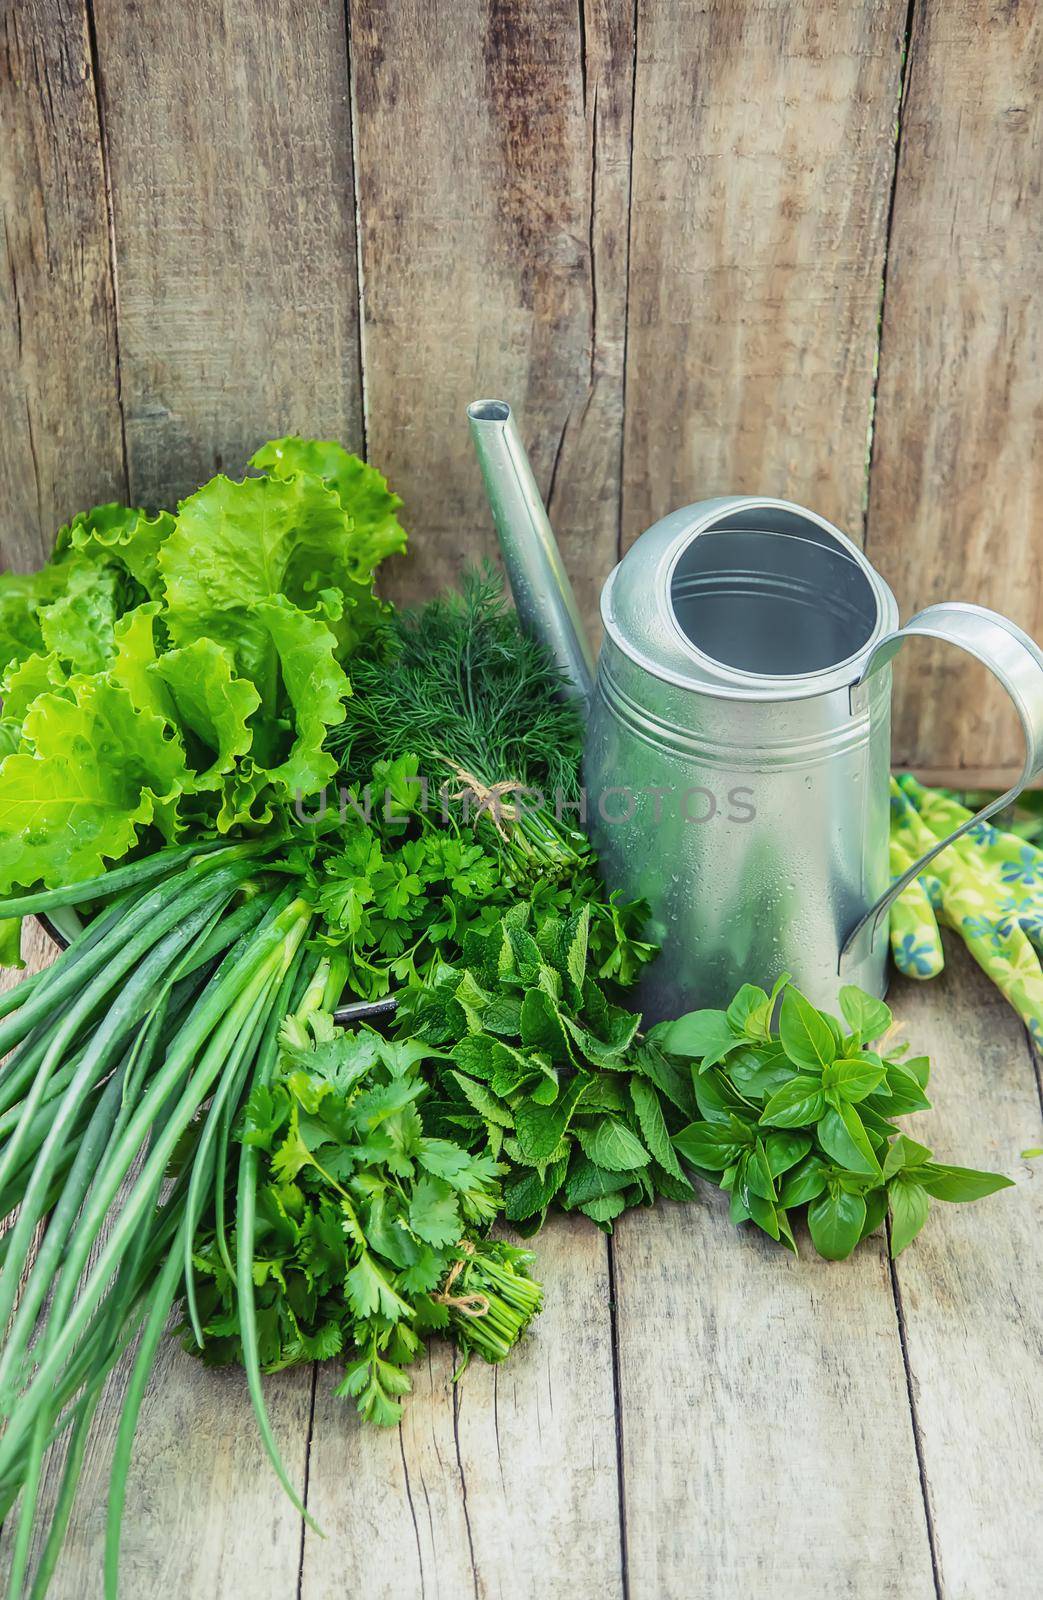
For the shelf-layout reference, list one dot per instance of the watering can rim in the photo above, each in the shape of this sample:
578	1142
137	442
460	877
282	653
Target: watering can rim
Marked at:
682	663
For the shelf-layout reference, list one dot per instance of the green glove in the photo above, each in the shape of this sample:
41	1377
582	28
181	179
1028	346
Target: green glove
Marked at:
988	887
916	943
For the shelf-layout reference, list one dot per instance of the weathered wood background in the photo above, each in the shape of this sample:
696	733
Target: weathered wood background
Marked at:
783	246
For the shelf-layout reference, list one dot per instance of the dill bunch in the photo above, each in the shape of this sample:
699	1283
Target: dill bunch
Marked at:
459	685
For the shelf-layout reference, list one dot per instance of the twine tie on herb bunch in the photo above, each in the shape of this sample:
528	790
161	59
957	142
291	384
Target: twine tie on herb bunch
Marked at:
470	1305
490	798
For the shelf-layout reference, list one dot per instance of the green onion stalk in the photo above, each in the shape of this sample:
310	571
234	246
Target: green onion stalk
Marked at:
147	1031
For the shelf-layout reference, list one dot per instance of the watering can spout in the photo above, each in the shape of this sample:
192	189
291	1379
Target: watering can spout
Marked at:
540	585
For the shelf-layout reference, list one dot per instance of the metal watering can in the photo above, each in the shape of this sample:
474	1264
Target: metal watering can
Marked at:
737	758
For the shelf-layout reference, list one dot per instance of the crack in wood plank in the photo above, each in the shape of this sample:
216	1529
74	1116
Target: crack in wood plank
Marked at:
907	59
914	1423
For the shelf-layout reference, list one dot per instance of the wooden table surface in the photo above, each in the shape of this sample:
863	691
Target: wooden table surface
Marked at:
695	1413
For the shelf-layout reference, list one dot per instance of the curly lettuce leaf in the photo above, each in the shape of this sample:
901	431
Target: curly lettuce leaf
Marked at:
361	489
78	626
27	679
239	543
122	534
315	686
212	705
135	659
95	769
20	595
11	942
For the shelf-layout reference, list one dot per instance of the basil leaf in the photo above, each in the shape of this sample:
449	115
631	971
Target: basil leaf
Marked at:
842	1136
796	1104
705	1035
806	1183
747	1002
762	1212
806	1036
784	1150
835	1221
876	1209
909	1205
904	1152
853	1078
708	1145
864	1014
960	1183
758	1071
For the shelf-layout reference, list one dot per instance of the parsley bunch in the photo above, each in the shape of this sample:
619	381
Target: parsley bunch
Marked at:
400	890
369	1231
803	1116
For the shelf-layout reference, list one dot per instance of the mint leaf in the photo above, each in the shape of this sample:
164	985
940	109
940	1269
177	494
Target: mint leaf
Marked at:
611	1144
653	1127
540	1129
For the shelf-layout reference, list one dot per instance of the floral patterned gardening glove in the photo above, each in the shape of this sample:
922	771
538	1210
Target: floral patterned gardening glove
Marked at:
988	886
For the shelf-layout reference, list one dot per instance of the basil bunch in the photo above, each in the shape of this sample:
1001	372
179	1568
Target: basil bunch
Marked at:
803	1116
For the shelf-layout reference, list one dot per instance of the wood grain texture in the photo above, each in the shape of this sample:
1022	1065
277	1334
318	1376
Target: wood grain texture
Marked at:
501	1486
204	1515
957	473
763	154
970	1290
493	199
759	1396
60	436
229	140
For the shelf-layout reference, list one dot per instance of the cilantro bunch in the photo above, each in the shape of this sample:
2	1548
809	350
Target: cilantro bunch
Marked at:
803	1115
369	1231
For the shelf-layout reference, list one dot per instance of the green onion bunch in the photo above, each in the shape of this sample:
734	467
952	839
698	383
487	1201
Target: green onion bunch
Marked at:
163	1012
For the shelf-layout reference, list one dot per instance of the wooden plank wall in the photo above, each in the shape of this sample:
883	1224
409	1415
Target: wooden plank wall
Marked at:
772	245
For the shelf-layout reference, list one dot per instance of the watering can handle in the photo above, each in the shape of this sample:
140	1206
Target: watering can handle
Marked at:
1013	658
